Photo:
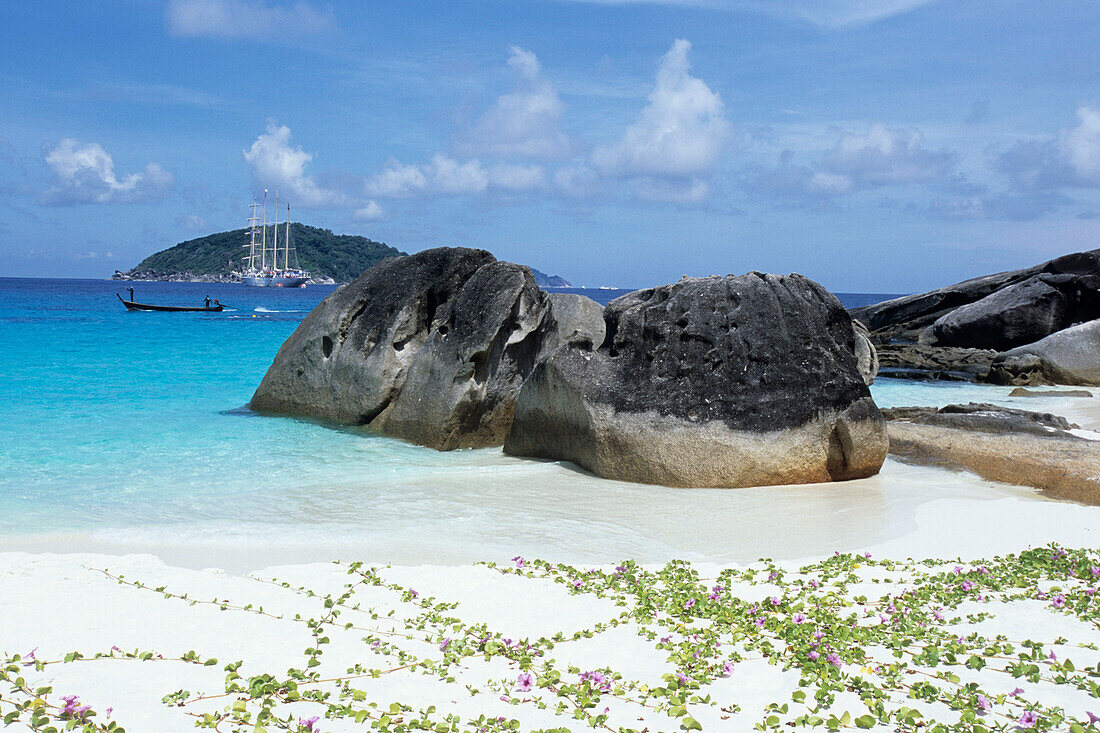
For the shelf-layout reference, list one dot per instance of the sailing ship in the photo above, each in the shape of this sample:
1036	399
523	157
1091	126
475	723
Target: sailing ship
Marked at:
270	267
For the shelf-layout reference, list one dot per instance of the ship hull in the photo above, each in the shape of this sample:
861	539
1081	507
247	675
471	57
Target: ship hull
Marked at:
274	281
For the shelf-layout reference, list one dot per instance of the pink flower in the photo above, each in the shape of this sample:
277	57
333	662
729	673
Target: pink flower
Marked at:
308	723
1028	719
519	561
413	593
814	584
984	703
578	583
774	601
1093	718
727	668
814	656
444	644
819	635
1095	571
620	570
834	660
682	678
689	603
523	682
965	586
1017	692
1059	601
938	614
799	618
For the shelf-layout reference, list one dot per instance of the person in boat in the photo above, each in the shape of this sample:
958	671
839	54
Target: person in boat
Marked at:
208	301
131	293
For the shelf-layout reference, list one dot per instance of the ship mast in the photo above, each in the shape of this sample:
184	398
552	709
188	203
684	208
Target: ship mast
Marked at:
253	220
263	241
275	247
286	243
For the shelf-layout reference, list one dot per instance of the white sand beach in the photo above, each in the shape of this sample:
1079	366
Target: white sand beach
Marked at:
55	604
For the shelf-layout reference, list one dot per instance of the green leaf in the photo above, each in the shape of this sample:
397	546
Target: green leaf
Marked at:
865	721
690	723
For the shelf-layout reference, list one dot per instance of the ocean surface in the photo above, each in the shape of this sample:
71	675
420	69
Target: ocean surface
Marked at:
130	431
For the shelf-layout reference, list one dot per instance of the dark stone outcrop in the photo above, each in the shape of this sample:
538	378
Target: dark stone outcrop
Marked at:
904	319
1012	446
985	418
430	347
919	361
866	354
1070	356
1024	392
954	332
720	381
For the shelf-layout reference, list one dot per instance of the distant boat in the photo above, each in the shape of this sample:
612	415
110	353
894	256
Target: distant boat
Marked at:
134	306
264	269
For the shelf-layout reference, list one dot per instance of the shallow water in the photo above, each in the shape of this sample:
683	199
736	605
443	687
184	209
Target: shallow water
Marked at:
127	431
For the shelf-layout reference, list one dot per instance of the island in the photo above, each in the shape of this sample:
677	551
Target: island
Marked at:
330	258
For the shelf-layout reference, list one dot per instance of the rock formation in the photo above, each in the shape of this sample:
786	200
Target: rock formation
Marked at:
955	331
431	348
1070	356
709	382
1000	444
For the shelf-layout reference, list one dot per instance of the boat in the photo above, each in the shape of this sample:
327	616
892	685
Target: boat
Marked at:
135	306
264	269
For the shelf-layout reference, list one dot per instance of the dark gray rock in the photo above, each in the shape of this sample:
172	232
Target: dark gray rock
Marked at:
919	361
1019	314
1070	356
720	381
985	418
866	354
578	321
1024	392
431	348
904	319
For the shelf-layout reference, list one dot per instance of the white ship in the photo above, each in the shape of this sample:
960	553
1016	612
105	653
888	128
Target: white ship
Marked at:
270	267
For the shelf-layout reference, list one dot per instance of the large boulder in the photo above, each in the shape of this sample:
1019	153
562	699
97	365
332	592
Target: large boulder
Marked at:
1019	314
866	354
709	382
1070	356
907	318
431	348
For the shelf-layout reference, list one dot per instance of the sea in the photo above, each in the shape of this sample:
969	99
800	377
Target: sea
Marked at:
130	432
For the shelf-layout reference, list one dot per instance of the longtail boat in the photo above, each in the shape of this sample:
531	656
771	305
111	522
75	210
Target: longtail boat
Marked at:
133	306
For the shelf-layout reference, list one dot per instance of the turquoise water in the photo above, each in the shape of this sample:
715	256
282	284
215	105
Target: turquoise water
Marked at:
129	429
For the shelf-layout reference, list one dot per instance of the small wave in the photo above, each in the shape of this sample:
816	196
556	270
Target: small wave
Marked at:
261	309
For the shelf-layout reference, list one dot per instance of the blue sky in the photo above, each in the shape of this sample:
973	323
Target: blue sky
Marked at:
873	145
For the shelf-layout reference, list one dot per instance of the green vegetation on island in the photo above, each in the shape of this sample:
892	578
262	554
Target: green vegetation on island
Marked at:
217	257
324	254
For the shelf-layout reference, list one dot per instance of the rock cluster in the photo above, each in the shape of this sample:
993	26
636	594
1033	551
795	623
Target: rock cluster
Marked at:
721	381
431	348
731	381
1000	444
1003	328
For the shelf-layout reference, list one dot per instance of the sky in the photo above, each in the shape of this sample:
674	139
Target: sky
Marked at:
883	146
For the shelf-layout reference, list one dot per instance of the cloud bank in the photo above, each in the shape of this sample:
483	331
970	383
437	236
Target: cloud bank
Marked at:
276	164
84	173
254	19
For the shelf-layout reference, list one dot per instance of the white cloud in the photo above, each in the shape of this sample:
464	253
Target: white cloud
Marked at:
679	134
1071	159
275	164
245	19
517	177
191	223
1080	146
886	156
826	13
443	175
85	173
370	212
526	122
